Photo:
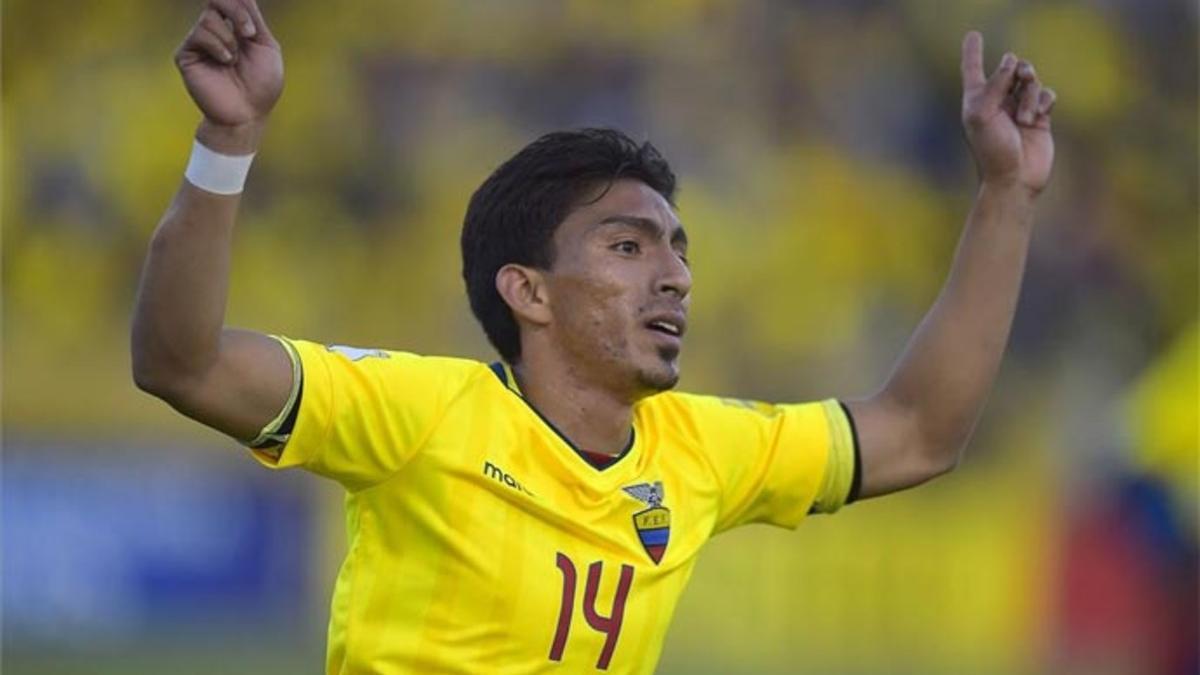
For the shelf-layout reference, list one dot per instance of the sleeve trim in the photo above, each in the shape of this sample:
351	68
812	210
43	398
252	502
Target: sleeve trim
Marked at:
274	434
856	482
837	485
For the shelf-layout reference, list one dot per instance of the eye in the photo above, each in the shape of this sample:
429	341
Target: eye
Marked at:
628	246
684	258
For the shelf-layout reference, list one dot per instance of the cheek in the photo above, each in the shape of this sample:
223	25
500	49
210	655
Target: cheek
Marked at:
602	311
595	311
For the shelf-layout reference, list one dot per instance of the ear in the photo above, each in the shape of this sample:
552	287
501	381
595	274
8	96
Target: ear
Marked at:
524	289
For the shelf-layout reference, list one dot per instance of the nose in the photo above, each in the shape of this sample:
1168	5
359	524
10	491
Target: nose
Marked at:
676	277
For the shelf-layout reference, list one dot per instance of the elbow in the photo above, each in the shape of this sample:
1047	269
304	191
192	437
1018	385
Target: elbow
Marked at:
164	385
936	449
945	463
942	441
940	458
922	465
155	364
148	377
140	363
153	376
145	379
146	372
162	368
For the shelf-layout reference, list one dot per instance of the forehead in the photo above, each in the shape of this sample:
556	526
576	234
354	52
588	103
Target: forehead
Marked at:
624	198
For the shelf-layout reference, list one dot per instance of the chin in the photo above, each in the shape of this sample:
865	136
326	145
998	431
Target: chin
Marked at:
662	377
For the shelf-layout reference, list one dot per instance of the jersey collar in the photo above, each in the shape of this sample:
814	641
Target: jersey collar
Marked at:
504	373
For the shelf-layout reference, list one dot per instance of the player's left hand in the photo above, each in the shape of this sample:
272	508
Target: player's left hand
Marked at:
1007	119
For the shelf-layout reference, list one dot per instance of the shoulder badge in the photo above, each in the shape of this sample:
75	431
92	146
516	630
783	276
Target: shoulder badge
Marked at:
356	353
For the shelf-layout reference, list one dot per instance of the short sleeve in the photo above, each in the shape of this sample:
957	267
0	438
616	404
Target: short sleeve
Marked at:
775	463
364	413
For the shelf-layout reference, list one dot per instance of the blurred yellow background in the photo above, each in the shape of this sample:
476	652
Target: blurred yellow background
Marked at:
824	182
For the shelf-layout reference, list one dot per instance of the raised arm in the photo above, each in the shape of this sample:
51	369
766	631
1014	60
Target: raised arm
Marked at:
915	427
234	381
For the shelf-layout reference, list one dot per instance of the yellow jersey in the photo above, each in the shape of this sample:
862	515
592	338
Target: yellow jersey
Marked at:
481	540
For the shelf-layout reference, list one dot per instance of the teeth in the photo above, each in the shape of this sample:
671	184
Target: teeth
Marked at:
669	327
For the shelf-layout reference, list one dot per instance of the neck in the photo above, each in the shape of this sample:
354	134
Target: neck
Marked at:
590	416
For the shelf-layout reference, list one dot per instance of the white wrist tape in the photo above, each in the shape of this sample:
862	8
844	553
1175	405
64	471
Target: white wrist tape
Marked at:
213	172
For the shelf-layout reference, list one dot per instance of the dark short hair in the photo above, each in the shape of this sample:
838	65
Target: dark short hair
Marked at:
513	215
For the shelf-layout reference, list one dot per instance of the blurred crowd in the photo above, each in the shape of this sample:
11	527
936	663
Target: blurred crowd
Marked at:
824	182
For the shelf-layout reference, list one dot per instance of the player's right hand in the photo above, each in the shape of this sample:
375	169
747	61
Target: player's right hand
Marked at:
231	64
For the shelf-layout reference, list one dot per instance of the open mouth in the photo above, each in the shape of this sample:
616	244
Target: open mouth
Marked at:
666	327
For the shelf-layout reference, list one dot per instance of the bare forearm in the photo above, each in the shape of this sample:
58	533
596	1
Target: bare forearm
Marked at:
233	381
180	307
181	299
913	428
947	370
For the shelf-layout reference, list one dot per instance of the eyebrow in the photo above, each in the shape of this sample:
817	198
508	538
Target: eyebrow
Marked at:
647	226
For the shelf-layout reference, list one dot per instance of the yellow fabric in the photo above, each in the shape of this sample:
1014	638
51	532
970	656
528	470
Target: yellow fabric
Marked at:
1162	417
270	431
468	514
835	488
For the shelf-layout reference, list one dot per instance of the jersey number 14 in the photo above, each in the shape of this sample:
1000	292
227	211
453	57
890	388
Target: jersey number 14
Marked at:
609	625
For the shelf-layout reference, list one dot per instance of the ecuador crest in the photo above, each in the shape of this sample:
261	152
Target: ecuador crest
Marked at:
653	525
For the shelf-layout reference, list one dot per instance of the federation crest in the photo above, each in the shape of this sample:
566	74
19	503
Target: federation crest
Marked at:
653	525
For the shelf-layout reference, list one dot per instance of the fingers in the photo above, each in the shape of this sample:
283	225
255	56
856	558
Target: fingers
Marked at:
1046	101
1001	82
1031	102
237	14
212	37
1014	88
260	24
972	61
1028	92
1044	107
221	29
202	42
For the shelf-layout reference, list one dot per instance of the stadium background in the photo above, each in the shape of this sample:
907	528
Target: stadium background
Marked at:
825	181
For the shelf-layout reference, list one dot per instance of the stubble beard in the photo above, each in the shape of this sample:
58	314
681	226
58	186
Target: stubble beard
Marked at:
622	364
663	376
620	361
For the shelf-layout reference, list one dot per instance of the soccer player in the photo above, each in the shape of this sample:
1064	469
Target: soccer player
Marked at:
543	513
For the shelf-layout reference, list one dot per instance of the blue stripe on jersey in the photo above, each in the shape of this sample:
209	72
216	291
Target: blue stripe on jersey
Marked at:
653	537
